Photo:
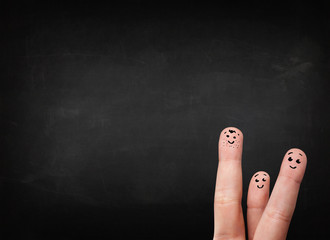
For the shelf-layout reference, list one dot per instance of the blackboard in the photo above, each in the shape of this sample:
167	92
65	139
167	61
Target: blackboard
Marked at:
111	114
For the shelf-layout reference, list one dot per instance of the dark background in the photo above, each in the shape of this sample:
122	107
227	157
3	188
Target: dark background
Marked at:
110	114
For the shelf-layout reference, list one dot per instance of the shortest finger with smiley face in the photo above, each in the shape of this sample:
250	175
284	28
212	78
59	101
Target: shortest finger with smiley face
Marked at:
257	199
260	179
258	193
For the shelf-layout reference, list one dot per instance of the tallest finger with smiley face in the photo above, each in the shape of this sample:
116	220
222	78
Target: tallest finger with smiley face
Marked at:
228	214
231	137
231	143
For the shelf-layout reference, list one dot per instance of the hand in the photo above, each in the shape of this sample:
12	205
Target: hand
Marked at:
267	218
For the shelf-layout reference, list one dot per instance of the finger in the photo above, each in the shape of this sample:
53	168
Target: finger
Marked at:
275	220
228	216
257	199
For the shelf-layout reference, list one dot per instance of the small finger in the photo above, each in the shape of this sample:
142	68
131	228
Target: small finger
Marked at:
275	220
257	199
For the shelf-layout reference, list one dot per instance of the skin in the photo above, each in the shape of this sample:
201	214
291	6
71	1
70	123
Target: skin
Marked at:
257	199
267	218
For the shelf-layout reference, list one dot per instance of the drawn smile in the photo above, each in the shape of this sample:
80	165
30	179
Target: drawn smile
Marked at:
231	142
293	167
261	186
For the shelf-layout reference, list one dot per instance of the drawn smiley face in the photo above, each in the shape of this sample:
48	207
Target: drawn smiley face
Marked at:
260	179
294	164
231	137
294	158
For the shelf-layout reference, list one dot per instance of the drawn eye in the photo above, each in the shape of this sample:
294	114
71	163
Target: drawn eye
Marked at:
257	180
227	135
234	137
264	180
290	159
298	161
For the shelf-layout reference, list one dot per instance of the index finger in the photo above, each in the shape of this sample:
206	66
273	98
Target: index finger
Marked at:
275	221
228	216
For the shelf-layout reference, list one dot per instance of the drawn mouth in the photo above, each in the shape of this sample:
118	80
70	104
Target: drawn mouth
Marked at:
261	186
231	142
293	167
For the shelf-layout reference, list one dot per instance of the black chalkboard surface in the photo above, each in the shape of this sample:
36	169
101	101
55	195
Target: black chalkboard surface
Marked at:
111	114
